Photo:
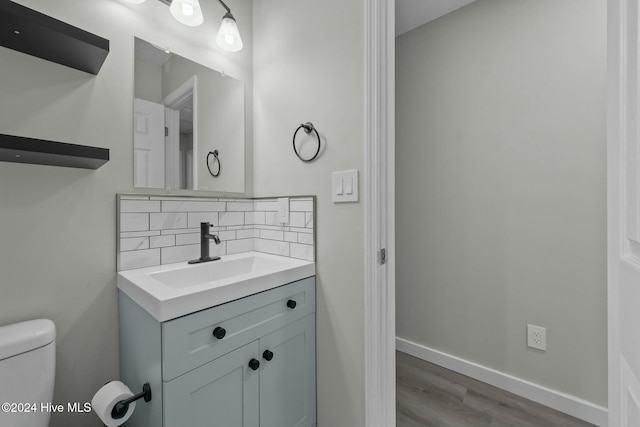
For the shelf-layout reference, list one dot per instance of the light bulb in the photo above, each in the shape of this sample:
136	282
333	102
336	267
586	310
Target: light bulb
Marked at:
187	12
187	9
228	36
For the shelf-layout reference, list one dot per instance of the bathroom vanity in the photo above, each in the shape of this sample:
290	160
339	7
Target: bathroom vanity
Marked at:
246	361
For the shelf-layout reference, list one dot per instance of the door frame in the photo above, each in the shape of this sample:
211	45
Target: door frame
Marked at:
379	213
173	100
379	171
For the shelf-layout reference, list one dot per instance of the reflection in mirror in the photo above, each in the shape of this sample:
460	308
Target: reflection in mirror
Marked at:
183	111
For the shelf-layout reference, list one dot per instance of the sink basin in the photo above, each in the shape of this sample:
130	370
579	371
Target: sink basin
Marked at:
174	290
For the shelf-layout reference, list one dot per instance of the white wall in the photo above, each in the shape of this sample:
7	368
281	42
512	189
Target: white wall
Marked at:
501	188
58	239
309	66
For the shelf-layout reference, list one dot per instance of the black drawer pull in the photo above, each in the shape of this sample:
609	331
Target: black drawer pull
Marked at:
254	364
267	355
219	332
291	304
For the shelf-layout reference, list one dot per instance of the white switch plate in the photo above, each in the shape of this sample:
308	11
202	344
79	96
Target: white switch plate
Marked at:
344	186
283	210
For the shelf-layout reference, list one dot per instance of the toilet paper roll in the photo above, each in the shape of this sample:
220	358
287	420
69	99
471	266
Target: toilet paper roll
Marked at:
106	398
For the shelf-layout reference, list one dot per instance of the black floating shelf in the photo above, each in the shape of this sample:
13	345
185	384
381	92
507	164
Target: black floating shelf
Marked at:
19	149
36	34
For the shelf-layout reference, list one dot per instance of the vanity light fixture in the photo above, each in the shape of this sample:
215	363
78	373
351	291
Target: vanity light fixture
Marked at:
187	12
228	36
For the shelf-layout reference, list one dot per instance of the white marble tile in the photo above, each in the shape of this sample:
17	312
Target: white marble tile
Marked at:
134	243
232	218
133	197
240	206
266	205
245	234
192	206
217	250
237	246
130	234
302	251
305	238
166	221
139	206
195	218
308	219
297	219
254	217
134	222
271	218
272	234
227	235
301	230
162	241
139	259
271	247
301	206
187	239
180	253
272	227
290	237
182	230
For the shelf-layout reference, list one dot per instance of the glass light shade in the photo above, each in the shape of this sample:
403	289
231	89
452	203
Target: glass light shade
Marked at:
228	36
187	12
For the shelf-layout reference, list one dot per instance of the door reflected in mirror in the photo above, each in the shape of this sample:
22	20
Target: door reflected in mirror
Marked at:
182	111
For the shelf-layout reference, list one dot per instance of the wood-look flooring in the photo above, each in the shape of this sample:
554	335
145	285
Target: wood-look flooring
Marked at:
432	396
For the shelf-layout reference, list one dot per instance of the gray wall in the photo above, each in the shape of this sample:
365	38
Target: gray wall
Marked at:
58	239
501	188
309	72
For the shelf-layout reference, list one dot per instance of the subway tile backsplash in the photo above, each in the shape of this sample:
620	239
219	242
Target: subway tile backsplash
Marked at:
155	230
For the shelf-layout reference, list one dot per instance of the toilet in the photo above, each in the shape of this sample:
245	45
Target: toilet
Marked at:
27	372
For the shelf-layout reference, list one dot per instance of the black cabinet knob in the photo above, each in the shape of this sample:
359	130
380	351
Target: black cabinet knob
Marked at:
267	355
254	364
219	332
291	304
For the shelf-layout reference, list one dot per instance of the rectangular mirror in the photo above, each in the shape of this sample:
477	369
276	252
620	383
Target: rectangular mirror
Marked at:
188	125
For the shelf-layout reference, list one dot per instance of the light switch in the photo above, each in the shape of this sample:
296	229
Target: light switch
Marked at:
348	185
345	186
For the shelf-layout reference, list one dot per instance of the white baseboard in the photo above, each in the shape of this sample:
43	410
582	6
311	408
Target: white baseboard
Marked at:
557	400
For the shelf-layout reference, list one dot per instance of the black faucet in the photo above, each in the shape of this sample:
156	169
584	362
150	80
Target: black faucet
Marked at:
204	244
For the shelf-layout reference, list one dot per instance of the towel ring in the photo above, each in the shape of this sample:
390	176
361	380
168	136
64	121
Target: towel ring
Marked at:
215	158
308	127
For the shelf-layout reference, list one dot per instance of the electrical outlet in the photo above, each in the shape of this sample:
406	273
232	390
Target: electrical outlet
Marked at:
536	337
283	210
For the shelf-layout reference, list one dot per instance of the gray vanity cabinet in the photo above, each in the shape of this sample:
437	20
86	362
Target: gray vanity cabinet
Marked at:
221	393
287	385
259	373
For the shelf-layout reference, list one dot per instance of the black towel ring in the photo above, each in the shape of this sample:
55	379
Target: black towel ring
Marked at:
308	127
215	158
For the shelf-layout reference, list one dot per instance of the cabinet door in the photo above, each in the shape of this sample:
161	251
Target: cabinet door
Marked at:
288	380
221	393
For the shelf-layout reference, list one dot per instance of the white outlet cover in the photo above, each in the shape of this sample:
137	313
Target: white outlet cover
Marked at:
537	337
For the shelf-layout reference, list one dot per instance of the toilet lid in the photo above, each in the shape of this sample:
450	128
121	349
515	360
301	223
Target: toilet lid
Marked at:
19	338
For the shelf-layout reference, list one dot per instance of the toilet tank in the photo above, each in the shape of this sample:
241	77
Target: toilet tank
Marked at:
27	372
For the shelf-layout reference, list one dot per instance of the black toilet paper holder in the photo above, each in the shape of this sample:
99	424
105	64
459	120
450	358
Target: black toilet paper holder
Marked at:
120	409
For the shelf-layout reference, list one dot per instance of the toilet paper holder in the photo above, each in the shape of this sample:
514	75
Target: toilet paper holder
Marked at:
120	409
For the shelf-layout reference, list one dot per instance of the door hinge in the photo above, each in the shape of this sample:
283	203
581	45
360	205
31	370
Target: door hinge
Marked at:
382	256
166	131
